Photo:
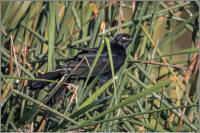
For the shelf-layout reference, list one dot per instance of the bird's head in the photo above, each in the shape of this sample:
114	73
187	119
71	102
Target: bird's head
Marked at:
123	40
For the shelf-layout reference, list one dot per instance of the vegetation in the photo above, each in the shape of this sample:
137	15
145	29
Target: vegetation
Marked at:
156	89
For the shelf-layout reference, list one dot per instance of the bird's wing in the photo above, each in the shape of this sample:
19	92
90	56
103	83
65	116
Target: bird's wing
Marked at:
85	61
84	49
81	67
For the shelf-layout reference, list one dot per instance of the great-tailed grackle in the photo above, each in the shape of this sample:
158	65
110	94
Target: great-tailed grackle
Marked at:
118	49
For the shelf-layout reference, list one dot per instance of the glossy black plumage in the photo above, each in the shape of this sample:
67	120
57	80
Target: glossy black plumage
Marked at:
118	49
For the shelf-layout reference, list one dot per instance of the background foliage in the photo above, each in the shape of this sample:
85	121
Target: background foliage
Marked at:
149	95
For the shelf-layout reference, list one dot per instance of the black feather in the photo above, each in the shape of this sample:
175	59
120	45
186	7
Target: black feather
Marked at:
118	49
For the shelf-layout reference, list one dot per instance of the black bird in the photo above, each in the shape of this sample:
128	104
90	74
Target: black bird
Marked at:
118	49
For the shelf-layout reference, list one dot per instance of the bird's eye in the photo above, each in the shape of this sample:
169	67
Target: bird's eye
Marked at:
124	38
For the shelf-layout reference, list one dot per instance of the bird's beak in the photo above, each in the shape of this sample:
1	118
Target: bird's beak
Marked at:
139	36
130	39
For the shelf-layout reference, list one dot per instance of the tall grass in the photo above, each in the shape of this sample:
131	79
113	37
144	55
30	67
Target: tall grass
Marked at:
156	89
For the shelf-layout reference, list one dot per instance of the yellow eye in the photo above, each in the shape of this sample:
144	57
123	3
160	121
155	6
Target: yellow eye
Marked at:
124	38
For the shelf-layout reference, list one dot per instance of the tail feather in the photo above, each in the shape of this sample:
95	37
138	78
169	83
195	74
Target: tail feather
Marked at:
49	76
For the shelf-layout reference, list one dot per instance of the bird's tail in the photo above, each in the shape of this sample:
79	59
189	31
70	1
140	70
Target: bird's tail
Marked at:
48	76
